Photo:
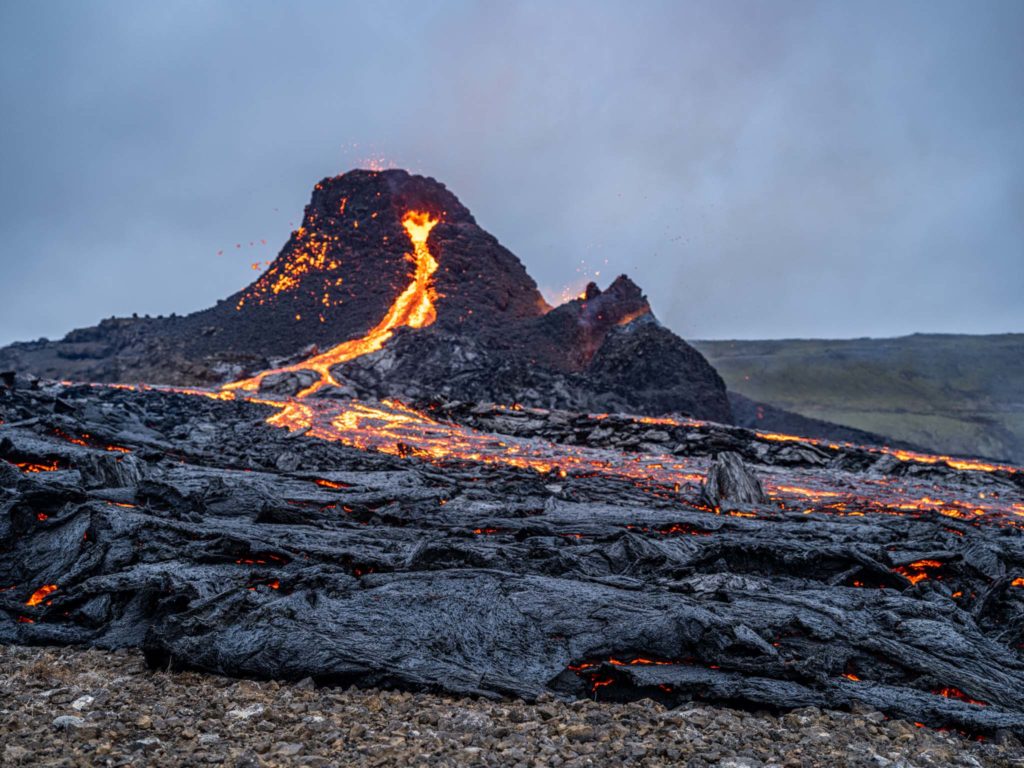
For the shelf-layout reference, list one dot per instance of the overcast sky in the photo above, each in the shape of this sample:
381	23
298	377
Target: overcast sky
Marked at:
768	169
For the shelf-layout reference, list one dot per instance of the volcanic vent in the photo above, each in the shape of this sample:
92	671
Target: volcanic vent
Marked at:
390	288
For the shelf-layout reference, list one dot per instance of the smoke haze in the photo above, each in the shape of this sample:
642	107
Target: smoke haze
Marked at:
760	169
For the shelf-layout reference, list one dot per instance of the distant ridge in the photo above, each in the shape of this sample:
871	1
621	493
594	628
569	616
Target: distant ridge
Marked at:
955	394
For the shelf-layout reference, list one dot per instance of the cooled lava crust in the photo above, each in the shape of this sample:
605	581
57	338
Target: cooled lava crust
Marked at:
504	551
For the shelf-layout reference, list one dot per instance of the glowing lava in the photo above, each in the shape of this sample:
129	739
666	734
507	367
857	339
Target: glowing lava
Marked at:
41	594
414	308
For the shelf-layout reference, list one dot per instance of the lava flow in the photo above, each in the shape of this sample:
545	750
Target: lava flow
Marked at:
414	308
396	429
393	428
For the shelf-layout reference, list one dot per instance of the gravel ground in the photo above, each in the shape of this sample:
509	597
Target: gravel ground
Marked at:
70	707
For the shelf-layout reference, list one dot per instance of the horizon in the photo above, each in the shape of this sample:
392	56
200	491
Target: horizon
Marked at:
762	173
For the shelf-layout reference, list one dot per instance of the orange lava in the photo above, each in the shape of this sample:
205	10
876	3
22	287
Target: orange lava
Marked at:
970	465
393	428
956	693
414	308
627	319
88	441
41	594
917	570
32	467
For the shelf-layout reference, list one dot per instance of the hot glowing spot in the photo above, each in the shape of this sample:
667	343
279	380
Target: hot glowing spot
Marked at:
41	594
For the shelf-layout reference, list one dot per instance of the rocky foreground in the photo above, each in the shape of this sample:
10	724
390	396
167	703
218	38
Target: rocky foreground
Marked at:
72	707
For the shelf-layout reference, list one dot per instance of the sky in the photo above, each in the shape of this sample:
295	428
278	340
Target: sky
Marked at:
760	169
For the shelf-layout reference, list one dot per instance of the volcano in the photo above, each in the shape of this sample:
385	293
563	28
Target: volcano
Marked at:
486	333
389	462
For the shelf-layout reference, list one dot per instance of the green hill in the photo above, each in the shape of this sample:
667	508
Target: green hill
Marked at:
952	393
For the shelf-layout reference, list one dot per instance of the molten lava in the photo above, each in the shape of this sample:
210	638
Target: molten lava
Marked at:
918	570
956	693
41	594
414	308
34	467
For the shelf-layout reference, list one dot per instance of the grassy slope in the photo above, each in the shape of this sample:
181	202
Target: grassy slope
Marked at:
956	394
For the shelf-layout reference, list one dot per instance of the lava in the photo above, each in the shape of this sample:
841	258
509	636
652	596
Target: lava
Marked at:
414	308
32	467
88	441
956	693
41	594
918	570
397	429
966	465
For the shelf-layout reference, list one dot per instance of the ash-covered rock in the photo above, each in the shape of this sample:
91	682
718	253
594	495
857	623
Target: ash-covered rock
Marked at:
633	371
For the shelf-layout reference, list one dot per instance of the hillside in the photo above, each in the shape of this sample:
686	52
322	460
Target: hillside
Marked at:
952	393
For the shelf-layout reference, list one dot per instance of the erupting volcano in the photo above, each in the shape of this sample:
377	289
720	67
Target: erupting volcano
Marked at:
456	317
439	487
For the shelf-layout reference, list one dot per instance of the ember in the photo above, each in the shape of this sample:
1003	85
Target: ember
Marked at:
919	570
956	693
33	467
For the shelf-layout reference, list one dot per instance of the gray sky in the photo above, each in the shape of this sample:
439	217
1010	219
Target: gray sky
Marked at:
761	169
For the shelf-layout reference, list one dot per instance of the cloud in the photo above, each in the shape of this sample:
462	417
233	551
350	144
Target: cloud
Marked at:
762	170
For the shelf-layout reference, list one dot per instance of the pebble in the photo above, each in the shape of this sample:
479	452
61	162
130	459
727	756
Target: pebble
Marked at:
190	719
82	702
245	713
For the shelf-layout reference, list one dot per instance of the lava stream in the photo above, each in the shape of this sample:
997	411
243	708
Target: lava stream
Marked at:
413	308
394	428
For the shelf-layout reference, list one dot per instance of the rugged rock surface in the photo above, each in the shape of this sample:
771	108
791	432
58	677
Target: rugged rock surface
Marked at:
553	553
494	335
118	713
730	485
636	369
